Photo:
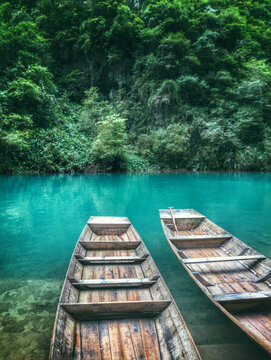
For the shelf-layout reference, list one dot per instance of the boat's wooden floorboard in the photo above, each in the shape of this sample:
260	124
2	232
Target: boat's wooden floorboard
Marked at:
234	277
103	253
200	230
123	237
114	339
113	272
220	272
117	339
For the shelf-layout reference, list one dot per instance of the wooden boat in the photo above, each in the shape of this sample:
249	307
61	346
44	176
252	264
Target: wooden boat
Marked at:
114	304
234	276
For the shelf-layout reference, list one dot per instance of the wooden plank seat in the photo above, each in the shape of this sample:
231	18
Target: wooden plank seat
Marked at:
108	221
264	277
115	310
244	297
108	225
110	245
201	279
114	283
180	214
185	220
111	259
199	240
200	237
222	259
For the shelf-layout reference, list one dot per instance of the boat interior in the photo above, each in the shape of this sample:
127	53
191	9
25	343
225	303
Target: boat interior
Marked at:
235	276
114	303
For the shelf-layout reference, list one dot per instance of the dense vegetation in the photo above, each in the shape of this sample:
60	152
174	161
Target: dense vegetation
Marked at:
102	85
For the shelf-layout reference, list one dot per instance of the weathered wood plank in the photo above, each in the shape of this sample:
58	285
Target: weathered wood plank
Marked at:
264	277
104	340
254	296
184	242
185	219
222	259
126	340
107	221
201	279
150	341
106	225
114	283
110	245
201	237
135	331
78	344
69	333
180	214
111	259
90	341
115	310
115	341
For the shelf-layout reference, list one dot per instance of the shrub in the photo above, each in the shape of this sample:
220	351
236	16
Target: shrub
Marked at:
110	144
166	147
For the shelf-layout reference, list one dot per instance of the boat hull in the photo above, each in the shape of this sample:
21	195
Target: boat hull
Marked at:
114	303
230	273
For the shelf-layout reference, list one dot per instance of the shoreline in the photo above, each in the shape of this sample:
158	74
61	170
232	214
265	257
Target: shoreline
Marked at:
148	172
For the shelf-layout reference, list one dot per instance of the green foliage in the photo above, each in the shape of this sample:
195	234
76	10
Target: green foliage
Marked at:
218	148
14	138
60	149
168	147
110	85
135	163
94	109
250	159
74	84
109	146
25	96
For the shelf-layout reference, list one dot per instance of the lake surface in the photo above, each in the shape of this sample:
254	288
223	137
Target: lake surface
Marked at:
41	218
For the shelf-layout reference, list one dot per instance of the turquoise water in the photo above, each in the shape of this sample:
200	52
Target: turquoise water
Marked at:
41	218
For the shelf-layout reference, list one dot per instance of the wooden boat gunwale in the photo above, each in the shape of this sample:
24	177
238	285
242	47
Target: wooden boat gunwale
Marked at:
167	303
203	284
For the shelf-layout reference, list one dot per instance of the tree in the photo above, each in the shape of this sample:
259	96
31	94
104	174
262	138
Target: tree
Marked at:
255	99
33	94
110	145
94	110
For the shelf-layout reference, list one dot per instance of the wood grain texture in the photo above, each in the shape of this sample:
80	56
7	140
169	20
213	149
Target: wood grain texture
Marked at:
114	283
222	259
111	259
109	245
115	310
